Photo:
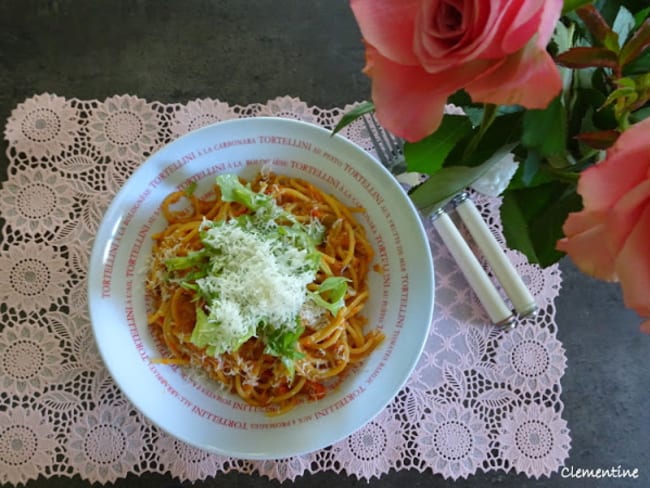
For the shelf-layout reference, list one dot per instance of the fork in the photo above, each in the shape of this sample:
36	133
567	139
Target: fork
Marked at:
390	152
389	148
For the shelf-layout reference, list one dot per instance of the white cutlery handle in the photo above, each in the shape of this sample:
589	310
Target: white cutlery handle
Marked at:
521	298
478	279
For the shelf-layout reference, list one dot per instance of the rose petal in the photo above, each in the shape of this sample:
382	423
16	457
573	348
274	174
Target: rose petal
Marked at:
578	222
450	33
388	25
552	9
527	18
633	266
509	83
594	260
624	216
409	101
633	140
519	21
604	184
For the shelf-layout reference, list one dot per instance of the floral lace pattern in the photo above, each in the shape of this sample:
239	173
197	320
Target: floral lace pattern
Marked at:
479	399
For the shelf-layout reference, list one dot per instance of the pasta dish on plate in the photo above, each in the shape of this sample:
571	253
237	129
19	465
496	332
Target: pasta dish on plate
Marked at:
262	285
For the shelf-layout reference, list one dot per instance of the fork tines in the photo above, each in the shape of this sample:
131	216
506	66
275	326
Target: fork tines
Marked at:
389	148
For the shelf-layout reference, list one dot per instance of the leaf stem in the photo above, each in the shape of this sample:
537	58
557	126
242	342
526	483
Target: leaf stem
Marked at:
561	175
587	159
489	114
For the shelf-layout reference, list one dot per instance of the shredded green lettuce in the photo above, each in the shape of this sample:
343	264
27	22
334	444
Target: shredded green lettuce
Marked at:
203	333
232	190
283	343
331	294
190	260
191	188
291	243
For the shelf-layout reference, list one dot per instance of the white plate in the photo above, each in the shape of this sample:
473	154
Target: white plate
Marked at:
197	411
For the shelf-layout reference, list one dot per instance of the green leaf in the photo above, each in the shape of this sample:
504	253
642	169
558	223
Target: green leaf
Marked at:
571	5
449	181
627	91
349	117
598	27
588	112
600	139
608	9
638	66
463	167
586	57
640	115
529	173
546	130
532	219
641	16
586	115
639	41
475	114
505	130
428	155
530	168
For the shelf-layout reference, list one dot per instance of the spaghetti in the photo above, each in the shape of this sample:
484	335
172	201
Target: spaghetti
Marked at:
262	286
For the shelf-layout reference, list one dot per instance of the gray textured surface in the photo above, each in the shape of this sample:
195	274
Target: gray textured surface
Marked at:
249	51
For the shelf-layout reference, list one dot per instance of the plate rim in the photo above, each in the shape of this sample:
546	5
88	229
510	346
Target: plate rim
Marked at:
117	207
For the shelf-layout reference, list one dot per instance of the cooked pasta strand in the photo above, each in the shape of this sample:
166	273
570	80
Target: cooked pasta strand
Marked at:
329	346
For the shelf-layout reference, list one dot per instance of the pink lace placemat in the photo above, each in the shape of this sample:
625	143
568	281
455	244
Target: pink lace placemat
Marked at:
479	398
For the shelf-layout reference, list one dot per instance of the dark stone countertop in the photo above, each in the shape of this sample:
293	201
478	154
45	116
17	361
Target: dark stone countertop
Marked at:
251	51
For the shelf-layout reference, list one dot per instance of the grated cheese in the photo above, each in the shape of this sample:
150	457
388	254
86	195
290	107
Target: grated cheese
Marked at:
313	316
253	279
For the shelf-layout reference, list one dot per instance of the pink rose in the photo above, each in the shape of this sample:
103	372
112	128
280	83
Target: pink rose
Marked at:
418	52
610	237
